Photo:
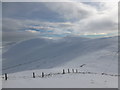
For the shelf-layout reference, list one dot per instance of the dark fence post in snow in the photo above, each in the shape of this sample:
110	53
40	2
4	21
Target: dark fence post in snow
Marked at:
63	71
68	70
73	70
6	77
76	71
42	74
33	75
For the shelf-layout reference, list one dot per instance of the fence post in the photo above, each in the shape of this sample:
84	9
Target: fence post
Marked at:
63	71
76	71
73	70
68	70
33	75
6	77
42	74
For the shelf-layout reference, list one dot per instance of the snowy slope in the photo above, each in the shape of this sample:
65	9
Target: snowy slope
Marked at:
72	80
68	52
52	56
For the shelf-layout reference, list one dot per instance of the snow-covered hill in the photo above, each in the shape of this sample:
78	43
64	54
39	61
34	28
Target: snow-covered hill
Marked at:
52	56
68	52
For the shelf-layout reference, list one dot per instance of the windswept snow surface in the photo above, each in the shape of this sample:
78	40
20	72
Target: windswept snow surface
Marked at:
72	80
49	56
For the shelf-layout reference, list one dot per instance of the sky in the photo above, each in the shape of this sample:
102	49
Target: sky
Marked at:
25	20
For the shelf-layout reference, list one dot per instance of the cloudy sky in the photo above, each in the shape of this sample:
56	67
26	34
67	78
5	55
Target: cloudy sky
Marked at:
24	20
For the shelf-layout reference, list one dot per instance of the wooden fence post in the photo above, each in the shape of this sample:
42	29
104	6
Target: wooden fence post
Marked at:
6	77
73	70
76	71
43	74
63	71
68	70
33	75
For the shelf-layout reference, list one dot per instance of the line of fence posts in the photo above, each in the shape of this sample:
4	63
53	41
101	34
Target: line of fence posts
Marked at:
76	70
42	75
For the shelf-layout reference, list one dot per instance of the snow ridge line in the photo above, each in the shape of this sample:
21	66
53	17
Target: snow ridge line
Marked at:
59	73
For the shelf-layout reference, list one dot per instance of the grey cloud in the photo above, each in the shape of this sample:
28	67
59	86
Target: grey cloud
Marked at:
61	18
32	11
102	25
72	11
13	30
47	11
